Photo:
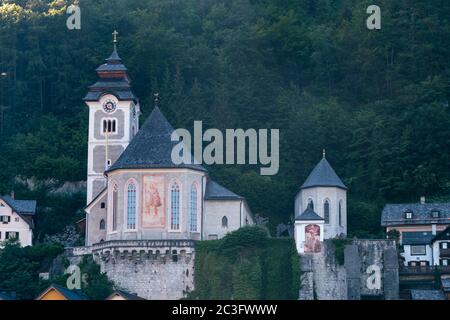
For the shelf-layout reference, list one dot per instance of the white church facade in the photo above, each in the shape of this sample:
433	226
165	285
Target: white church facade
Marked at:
135	192
320	209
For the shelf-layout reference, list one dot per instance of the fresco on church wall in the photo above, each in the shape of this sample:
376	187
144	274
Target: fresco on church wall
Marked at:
312	238
153	202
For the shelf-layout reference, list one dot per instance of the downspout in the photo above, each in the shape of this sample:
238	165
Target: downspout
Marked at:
203	212
240	214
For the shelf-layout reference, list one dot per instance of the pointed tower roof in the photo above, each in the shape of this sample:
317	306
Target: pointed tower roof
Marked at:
151	147
309	214
323	175
113	79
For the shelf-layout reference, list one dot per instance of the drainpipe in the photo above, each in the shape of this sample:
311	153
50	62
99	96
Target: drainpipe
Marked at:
203	207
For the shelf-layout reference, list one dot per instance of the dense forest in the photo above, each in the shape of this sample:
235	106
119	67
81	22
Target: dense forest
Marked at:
376	100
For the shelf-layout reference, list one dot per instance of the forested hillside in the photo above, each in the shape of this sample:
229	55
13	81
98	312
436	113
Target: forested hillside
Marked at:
376	100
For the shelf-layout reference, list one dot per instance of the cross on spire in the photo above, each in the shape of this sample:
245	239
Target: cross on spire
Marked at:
156	95
115	34
324	153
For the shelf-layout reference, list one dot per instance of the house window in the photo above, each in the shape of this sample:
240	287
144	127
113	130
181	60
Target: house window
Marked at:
109	126
193	208
408	215
340	213
443	245
444	262
131	209
11	235
418	250
225	222
175	207
435	214
326	211
103	205
115	198
102	224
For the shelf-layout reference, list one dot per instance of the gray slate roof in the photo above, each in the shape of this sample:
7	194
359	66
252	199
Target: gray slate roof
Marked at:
26	207
323	175
413	238
427	295
126	295
394	214
309	214
215	191
151	147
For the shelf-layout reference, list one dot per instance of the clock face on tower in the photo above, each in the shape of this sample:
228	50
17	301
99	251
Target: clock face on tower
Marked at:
109	106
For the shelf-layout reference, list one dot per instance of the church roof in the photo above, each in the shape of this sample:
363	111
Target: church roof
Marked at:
215	191
151	147
323	175
309	214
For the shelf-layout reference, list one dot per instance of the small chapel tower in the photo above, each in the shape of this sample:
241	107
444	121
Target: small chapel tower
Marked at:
113	119
320	208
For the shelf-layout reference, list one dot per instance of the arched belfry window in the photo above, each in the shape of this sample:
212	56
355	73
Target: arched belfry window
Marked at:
326	211
175	207
102	224
115	198
109	126
225	222
193	207
340	213
131	206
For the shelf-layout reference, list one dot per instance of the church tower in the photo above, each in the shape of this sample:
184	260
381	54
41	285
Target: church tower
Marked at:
113	119
325	195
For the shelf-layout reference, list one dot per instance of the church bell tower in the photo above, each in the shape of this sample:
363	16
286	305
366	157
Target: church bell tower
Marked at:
113	119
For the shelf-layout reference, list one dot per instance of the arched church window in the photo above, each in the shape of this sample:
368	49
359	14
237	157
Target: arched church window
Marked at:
115	198
340	213
131	206
175	207
311	203
326	211
225	222
102	224
193	208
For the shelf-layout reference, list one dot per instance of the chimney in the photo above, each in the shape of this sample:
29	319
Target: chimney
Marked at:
422	200
13	195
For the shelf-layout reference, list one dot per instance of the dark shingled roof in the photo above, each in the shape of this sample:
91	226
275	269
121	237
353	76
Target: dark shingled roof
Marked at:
215	191
427	295
394	214
309	214
323	175
151	147
413	238
26	207
113	79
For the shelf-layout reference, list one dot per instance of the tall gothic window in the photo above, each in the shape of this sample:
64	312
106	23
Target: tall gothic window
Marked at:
225	222
326	211
115	198
340	213
193	208
131	206
175	207
311	203
102	224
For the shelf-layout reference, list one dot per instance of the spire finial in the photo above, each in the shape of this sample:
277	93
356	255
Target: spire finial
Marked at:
115	34
324	153
156	95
